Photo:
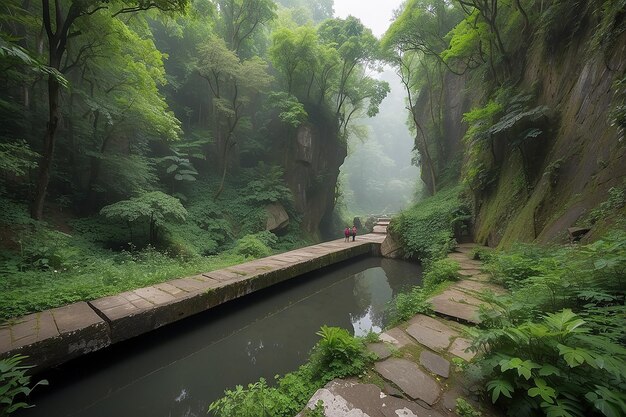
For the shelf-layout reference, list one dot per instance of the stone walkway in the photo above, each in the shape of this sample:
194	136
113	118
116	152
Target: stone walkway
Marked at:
415	357
55	336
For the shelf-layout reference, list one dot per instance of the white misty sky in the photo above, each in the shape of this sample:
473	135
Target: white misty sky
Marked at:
375	14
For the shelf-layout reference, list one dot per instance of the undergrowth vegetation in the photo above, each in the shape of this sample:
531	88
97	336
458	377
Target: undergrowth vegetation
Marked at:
138	242
437	276
426	230
336	355
556	343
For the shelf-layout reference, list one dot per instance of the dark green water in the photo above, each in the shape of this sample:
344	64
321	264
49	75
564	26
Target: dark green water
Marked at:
177	371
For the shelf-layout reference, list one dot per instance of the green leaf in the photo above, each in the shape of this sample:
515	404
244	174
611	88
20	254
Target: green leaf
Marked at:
500	387
548	394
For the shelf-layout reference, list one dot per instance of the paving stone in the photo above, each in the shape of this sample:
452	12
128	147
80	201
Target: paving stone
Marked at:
74	317
380	349
458	347
49	325
379	229
478	286
350	399
191	285
466	246
469	272
448	399
392	391
5	339
54	336
221	275
410	379
170	289
398	407
457	304
431	333
396	337
435	363
26	326
459	257
154	295
480	277
468	264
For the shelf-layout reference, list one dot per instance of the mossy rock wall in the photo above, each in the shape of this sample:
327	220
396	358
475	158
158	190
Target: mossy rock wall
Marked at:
577	85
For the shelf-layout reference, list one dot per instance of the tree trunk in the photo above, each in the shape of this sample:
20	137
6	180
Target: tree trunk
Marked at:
48	149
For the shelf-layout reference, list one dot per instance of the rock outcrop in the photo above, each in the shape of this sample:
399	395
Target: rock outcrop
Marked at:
538	190
277	217
311	156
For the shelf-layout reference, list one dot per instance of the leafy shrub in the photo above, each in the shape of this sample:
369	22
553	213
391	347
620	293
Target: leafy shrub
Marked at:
465	409
265	185
557	367
154	208
437	275
557	344
615	201
440	271
406	305
252	246
426	230
337	354
14	385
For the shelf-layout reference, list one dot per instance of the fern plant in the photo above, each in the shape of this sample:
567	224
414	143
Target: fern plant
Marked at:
555	367
14	385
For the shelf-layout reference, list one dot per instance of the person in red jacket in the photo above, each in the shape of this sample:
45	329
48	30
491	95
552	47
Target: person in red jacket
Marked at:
353	232
346	233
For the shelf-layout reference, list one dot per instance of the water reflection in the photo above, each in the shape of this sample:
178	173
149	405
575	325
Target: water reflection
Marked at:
179	370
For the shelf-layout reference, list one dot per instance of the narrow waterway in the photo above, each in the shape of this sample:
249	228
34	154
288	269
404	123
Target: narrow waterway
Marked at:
177	371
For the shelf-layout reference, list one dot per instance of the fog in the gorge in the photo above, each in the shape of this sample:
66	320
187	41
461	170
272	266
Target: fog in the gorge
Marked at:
377	176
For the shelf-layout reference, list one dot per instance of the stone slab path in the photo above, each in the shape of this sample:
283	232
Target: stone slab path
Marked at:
419	370
54	336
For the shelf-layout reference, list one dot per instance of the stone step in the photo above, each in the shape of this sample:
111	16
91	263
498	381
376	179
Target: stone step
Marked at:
380	229
343	398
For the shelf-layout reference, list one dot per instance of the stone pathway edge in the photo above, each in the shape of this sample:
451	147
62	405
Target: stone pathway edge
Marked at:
52	337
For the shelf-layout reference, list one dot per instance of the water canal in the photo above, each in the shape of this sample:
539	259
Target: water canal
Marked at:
178	370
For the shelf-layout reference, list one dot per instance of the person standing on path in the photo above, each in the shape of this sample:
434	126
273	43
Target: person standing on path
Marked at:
353	233
346	233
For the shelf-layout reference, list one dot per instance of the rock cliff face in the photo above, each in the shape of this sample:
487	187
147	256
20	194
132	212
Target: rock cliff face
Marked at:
311	158
572	166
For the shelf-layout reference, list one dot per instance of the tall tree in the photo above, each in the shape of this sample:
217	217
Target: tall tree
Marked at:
233	83
59	21
358	51
241	19
294	51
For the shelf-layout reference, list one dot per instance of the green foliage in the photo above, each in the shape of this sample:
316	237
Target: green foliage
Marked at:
292	112
155	208
14	385
16	158
266	185
561	22
556	344
437	275
509	117
318	411
427	229
465	409
336	355
408	304
615	201
439	271
252	246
